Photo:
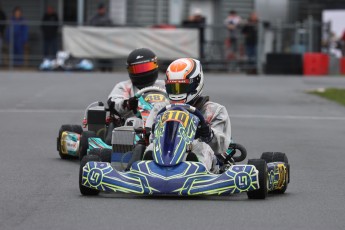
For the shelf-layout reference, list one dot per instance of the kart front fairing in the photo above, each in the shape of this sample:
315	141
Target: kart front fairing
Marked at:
174	132
186	178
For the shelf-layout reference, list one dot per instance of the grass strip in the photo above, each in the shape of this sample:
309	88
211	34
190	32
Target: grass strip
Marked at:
333	94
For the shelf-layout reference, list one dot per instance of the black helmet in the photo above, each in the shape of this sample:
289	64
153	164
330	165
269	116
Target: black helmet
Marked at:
142	67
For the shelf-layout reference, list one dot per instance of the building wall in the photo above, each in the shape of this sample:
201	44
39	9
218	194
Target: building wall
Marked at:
272	10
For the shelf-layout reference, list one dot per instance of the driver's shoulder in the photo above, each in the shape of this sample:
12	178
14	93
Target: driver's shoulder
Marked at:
160	84
212	104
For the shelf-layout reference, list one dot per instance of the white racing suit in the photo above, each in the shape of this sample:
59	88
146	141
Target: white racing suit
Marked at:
123	91
217	117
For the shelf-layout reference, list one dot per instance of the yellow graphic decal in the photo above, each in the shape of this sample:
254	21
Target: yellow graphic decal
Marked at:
175	115
155	98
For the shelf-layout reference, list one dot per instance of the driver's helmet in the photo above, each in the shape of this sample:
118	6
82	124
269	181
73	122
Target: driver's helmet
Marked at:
184	80
142	67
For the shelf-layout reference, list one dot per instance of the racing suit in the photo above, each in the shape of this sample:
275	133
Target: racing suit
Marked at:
123	91
217	117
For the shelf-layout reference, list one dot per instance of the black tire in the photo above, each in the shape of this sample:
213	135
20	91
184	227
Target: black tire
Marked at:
69	128
86	191
103	154
267	156
84	143
278	157
261	166
281	157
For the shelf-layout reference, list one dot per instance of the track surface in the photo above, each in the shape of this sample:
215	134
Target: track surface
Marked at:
40	191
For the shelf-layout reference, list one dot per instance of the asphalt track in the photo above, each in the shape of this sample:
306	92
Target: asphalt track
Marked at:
40	191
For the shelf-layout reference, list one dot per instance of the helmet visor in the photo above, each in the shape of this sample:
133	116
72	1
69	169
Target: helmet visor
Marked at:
177	86
142	67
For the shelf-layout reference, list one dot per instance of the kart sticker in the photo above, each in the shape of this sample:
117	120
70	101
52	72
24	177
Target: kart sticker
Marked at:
175	115
152	98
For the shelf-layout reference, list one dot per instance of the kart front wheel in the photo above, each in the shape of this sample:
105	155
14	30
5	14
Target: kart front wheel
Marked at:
86	191
67	128
261	166
84	143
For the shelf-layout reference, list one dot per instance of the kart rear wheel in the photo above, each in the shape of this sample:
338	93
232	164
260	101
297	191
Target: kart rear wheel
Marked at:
261	166
278	157
86	191
267	156
84	143
103	154
69	128
281	157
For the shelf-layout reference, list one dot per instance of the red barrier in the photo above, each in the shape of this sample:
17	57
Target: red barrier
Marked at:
316	64
342	66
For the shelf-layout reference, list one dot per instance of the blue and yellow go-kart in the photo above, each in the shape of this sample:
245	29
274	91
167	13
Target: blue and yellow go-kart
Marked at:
104	125
171	168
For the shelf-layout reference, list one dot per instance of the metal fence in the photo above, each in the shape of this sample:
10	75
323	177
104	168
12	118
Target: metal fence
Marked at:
218	53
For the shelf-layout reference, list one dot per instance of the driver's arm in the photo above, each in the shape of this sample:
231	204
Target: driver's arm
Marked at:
221	127
153	113
121	92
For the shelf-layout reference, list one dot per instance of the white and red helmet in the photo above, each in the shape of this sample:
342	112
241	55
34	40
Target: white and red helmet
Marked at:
184	80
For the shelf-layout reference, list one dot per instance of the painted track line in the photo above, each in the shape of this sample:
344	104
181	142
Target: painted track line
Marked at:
41	111
287	117
246	116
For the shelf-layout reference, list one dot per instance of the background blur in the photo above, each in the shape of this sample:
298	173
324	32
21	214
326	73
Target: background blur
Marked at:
263	36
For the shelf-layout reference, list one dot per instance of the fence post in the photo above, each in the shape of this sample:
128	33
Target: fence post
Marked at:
279	37
260	50
310	33
80	12
11	46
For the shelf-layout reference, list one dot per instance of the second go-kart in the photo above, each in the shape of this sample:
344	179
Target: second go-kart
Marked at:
173	169
108	131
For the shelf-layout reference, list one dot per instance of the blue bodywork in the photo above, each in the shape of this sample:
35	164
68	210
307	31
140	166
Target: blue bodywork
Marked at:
186	178
170	173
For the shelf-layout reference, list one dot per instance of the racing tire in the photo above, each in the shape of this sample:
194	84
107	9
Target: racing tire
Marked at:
69	128
84	143
86	191
103	154
281	157
267	156
278	157
261	166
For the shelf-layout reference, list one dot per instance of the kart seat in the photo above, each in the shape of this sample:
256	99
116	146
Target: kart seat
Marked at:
148	156
190	157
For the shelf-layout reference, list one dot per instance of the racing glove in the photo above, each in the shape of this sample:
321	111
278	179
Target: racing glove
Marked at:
204	132
131	103
111	104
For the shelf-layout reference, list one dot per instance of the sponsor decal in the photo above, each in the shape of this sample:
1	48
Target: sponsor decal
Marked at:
243	181
95	177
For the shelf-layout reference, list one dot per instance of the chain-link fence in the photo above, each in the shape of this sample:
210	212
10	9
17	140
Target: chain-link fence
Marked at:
218	50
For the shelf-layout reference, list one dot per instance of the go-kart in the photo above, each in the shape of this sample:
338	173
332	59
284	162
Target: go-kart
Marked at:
66	62
106	134
173	169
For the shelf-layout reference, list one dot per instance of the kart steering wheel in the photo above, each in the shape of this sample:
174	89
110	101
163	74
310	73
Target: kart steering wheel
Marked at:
149	88
139	94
